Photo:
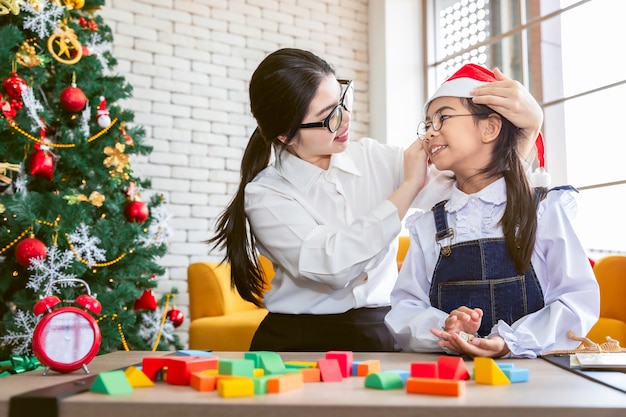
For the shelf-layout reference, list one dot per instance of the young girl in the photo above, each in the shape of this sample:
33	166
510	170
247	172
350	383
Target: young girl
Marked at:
495	269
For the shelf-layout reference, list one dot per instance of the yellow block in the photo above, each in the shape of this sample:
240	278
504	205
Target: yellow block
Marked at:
486	371
236	387
259	372
137	378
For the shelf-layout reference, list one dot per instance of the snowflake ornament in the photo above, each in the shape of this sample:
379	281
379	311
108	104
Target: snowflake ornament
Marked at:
97	47
21	338
50	269
86	247
151	327
33	108
42	18
159	230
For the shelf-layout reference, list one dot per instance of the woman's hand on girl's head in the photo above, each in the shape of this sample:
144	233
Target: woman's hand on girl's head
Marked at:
513	101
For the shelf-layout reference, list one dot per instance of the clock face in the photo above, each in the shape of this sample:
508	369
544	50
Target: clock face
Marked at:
66	338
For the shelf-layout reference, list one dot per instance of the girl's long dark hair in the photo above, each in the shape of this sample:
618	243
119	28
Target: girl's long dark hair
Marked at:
519	221
281	90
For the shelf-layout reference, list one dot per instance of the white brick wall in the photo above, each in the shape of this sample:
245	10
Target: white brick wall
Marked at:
190	63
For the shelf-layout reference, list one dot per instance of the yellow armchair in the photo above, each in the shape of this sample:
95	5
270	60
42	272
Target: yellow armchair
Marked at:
610	272
220	319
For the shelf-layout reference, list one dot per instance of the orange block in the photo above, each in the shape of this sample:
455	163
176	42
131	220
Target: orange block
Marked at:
311	374
284	383
368	367
450	387
203	381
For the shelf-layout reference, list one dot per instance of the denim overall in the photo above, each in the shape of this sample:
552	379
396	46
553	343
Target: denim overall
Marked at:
480	273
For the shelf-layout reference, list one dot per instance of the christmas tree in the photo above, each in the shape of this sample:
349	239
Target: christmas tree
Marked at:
71	210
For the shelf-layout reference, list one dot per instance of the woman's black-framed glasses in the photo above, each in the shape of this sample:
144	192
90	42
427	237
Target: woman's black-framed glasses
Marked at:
333	120
437	122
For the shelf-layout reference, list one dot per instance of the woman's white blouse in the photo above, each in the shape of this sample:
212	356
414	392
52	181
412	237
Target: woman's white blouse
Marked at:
331	234
569	286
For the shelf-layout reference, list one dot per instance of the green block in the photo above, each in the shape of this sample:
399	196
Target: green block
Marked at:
384	380
112	383
270	362
260	384
238	367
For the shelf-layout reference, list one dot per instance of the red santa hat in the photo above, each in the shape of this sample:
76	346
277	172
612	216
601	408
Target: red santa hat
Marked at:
470	76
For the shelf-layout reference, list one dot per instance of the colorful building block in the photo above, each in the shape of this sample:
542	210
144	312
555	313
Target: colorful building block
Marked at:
112	383
311	374
284	383
203	381
452	367
270	362
237	367
137	378
329	370
179	368
450	387
425	370
516	374
367	367
486	371
384	380
300	364
345	359
193	352
235	387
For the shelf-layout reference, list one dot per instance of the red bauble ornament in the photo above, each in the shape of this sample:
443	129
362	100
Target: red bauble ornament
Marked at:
147	301
176	317
42	164
30	248
14	86
73	99
136	211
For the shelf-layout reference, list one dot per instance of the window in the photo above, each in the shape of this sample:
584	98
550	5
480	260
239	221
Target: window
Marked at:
569	54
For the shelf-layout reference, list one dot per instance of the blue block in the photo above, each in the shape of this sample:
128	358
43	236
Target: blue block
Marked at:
193	353
516	374
355	367
505	365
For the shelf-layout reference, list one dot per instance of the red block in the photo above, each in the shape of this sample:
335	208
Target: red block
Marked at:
345	359
179	368
425	369
329	370
452	367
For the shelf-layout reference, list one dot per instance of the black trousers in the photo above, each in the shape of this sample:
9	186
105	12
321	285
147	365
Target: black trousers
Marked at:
361	329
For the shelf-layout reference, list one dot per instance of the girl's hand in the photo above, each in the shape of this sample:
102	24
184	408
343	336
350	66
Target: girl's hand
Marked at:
464	319
491	347
513	101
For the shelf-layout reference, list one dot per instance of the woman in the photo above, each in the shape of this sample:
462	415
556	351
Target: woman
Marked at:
327	211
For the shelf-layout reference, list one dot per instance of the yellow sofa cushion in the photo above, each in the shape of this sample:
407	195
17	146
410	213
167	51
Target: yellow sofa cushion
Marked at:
232	332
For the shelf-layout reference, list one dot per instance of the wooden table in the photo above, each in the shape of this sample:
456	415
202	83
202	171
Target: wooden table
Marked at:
551	391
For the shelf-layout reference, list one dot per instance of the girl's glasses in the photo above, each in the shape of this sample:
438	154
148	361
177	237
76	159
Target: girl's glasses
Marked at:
333	120
437	122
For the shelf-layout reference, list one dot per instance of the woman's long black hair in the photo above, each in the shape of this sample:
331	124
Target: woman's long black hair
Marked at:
281	90
519	221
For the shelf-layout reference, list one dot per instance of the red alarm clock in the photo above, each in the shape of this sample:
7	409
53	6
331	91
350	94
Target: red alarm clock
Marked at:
66	338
